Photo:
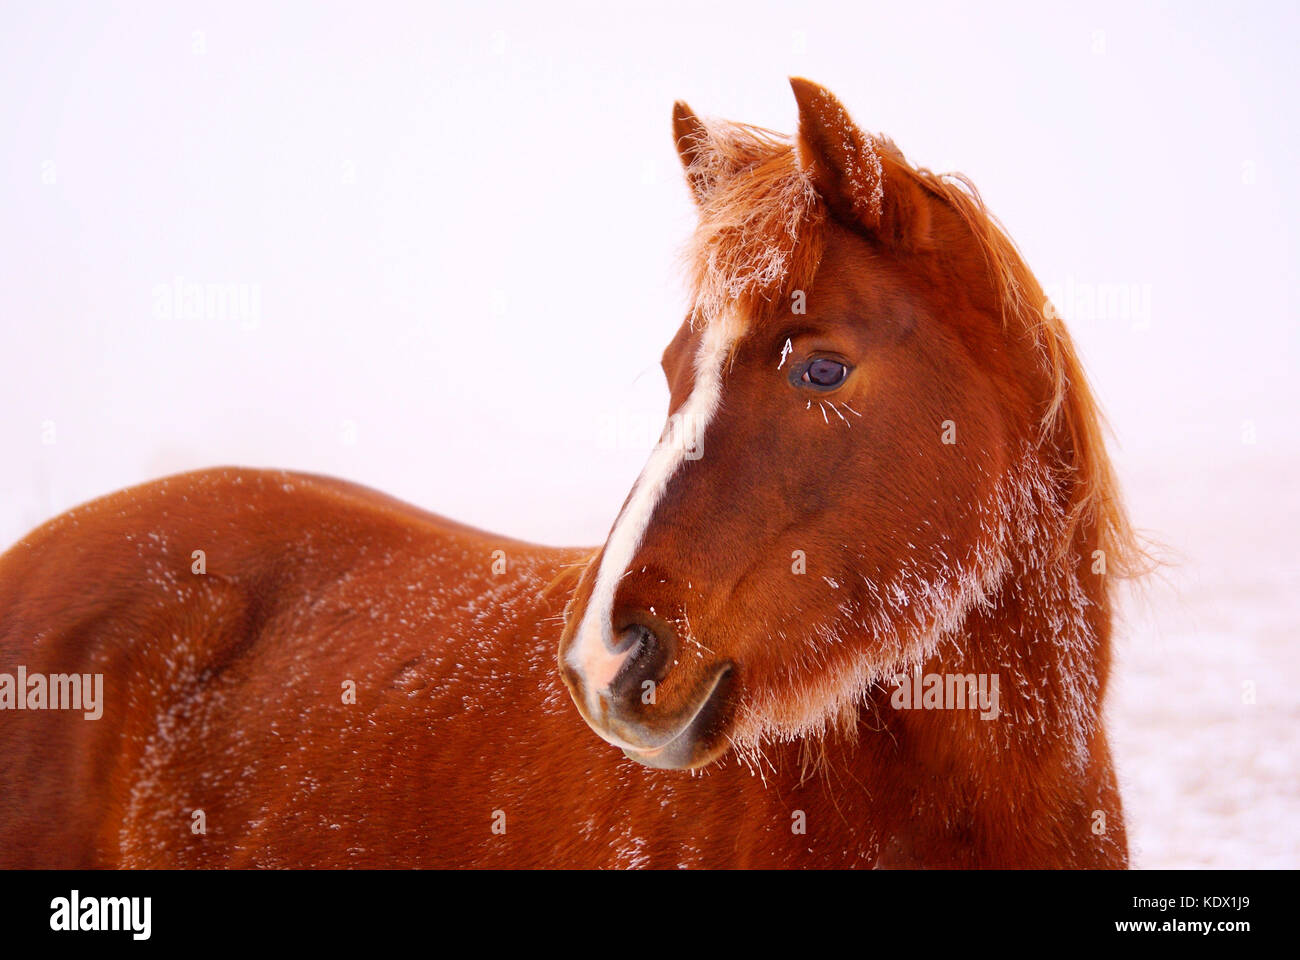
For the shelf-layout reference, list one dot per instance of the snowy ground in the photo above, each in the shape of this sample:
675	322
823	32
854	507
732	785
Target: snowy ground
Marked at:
1210	778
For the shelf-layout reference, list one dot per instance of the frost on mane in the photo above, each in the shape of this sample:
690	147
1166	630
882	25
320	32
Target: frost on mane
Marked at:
759	235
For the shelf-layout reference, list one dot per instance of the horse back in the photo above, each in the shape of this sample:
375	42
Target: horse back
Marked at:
247	625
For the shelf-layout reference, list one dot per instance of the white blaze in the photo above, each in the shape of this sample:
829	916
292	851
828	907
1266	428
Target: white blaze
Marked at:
590	653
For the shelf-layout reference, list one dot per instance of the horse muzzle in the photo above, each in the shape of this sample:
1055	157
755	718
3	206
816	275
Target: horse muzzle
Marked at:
616	687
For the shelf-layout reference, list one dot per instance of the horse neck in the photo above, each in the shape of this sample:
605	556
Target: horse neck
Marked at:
1043	629
1040	766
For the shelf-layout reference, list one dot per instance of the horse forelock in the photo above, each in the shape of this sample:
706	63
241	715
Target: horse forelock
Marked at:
760	233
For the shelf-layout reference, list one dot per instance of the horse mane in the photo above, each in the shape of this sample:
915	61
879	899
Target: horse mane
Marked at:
760	232
761	236
1072	421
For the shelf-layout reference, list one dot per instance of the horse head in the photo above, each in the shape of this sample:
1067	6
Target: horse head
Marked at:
872	422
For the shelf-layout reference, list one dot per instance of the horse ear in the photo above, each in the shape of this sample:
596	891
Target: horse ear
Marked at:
695	149
861	177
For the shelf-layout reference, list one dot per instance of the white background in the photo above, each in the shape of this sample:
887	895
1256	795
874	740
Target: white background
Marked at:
461	227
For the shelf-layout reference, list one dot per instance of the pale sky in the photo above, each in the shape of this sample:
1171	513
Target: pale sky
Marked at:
450	236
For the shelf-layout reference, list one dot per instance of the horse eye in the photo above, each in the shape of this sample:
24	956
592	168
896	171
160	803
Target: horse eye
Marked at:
825	373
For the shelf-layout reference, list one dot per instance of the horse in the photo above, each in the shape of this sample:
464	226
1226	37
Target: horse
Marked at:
855	612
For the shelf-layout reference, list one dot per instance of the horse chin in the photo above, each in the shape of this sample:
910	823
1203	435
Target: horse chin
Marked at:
671	757
703	739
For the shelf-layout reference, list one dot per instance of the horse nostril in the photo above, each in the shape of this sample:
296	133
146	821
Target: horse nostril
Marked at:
646	654
630	637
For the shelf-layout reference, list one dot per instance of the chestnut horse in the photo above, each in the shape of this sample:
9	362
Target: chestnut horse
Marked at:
883	471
